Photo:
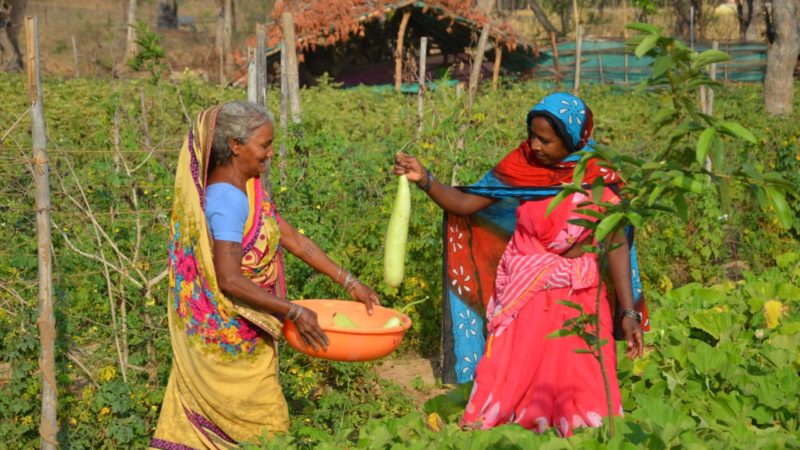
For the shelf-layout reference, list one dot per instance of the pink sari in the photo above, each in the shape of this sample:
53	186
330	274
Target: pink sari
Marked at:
525	377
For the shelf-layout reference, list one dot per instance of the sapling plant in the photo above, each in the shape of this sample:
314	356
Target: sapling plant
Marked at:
691	161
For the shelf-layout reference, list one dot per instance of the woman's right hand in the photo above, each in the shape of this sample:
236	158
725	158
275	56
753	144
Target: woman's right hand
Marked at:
310	331
409	166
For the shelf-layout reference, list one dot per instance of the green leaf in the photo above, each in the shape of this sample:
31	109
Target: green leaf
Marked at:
561	332
777	199
644	27
450	402
704	144
688	183
557	200
588	224
635	219
710	57
607	225
590	212
681	206
662	65
646	45
736	130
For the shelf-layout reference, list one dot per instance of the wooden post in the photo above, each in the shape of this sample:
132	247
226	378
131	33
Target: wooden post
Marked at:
292	74
227	35
75	57
252	82
220	38
398	54
477	62
130	47
576	16
625	37
423	53
474	78
600	68
48	425
261	65
284	117
577	83
556	63
498	57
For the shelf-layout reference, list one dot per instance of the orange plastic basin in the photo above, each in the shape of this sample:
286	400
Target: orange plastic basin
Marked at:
369	341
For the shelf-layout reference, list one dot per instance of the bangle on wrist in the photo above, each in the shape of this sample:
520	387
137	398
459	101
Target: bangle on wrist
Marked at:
428	181
294	312
633	314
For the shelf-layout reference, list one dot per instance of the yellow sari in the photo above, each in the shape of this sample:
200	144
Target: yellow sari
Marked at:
224	387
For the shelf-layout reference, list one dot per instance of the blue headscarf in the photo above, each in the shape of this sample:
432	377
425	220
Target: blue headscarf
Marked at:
568	115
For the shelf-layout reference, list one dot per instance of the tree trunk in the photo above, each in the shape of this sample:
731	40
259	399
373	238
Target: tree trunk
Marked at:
167	14
220	39
12	14
541	16
130	46
683	18
749	13
783	34
292	72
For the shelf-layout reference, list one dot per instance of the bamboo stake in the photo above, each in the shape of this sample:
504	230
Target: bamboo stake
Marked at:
220	31
284	118
227	34
556	63
498	57
292	74
398	54
75	57
474	78
130	47
600	68
261	65
423	52
48	425
252	84
577	83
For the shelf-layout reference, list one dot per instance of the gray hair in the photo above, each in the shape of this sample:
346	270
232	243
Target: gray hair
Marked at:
235	120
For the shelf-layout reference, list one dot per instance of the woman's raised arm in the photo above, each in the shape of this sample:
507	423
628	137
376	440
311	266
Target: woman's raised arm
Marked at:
447	197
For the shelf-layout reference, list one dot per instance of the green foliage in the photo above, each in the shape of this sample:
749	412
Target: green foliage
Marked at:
338	189
150	56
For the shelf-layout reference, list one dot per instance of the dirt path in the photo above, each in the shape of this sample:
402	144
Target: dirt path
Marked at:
416	375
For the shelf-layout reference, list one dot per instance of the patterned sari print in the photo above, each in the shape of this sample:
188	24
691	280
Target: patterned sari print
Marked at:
223	388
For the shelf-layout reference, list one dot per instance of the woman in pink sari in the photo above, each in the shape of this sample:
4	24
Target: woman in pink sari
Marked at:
524	377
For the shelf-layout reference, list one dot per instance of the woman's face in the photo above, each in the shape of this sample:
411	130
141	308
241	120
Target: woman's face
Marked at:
251	157
546	147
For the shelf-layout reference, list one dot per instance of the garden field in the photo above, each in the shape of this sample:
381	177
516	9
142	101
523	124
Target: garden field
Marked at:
723	283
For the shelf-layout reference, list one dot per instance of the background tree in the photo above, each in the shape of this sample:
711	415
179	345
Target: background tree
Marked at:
167	14
541	16
783	36
683	18
749	13
11	14
130	43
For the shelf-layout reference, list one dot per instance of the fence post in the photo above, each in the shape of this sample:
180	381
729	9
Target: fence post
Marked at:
474	78
261	65
48	425
498	59
292	74
556	64
75	57
284	117
423	53
398	54
578	39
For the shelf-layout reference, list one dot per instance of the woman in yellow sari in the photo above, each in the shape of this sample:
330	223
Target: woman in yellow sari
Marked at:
227	291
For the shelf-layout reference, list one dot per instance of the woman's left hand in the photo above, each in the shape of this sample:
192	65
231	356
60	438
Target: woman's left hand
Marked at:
633	337
365	295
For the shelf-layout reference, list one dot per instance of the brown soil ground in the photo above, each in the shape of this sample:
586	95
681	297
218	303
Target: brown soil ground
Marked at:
417	376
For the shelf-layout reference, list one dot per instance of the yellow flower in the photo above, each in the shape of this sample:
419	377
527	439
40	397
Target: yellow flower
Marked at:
283	189
301	231
27	420
186	289
104	410
434	422
721	308
73	421
773	311
107	373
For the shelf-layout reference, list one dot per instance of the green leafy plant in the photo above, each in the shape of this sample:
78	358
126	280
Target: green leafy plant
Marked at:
150	56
